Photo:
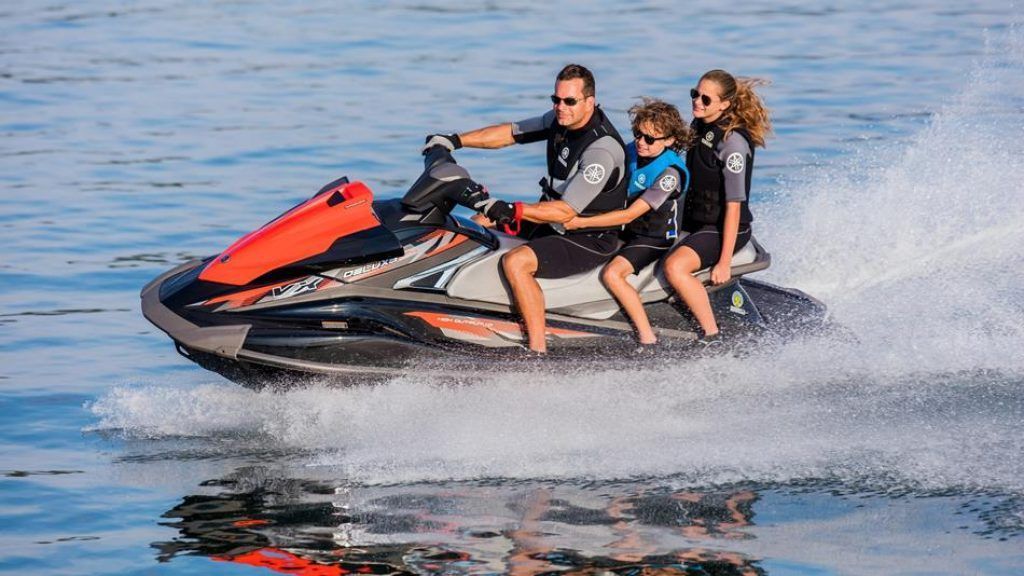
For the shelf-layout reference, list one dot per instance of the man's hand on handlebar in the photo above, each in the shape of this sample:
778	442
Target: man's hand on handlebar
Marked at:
450	141
497	211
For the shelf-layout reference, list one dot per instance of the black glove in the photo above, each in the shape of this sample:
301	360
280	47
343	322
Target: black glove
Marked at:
472	195
450	141
497	211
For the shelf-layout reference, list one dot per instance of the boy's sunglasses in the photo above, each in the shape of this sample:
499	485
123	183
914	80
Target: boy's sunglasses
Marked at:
650	140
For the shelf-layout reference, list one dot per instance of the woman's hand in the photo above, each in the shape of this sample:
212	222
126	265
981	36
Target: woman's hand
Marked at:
574	224
721	273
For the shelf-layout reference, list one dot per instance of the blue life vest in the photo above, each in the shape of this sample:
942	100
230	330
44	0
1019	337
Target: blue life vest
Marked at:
641	179
663	222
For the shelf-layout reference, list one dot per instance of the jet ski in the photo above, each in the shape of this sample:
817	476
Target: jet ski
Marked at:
353	289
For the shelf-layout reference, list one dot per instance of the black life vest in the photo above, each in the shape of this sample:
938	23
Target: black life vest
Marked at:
705	200
564	149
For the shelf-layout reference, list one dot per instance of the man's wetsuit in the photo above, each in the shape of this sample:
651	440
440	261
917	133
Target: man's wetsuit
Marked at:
720	170
658	182
586	170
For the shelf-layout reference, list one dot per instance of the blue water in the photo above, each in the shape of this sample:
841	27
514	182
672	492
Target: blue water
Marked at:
139	135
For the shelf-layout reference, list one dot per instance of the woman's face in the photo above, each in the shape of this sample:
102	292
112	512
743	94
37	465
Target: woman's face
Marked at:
646	131
708	104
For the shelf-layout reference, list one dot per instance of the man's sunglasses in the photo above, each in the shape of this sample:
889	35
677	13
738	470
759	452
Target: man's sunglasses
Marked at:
650	140
570	101
704	98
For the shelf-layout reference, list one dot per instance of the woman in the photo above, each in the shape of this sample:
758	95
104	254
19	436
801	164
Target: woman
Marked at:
657	177
730	120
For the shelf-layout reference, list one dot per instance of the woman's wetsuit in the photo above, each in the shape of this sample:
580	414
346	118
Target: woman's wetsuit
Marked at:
720	169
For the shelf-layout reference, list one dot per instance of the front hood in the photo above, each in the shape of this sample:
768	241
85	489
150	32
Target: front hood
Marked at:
336	227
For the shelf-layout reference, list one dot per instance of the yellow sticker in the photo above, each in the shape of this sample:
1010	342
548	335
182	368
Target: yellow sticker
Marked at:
737	299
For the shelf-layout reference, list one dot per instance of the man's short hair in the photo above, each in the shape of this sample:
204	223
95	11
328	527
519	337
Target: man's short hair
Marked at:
574	71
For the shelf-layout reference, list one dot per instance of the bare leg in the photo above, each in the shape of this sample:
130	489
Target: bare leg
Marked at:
520	266
679	269
614	276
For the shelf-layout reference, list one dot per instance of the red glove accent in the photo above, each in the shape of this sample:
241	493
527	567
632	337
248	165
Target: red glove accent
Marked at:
517	219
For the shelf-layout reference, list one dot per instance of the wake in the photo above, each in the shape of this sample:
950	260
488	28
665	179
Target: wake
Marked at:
916	248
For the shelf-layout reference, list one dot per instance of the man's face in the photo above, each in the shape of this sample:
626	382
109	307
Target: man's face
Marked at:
577	115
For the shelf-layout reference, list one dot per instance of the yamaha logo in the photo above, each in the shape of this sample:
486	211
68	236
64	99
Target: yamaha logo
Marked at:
641	178
565	153
734	163
668	183
593	173
709	136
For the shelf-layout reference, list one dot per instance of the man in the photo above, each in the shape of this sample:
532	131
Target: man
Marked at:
586	176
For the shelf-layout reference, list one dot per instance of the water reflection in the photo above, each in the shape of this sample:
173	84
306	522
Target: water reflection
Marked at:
297	526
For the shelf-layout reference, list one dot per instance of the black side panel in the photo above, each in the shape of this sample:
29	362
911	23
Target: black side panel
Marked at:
370	245
186	288
786	309
366	246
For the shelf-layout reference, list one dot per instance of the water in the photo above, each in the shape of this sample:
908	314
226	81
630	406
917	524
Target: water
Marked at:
137	136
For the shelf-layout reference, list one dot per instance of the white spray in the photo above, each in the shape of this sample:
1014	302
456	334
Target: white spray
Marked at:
918	251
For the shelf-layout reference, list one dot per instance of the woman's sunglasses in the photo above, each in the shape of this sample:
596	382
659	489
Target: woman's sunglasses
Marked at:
650	140
570	101
704	98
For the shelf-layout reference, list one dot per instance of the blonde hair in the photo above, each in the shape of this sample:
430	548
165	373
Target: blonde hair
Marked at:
746	109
